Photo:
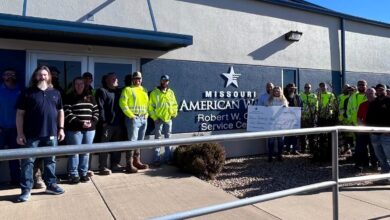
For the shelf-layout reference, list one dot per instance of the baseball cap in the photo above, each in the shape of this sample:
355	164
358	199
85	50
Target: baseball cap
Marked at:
137	75
380	86
165	77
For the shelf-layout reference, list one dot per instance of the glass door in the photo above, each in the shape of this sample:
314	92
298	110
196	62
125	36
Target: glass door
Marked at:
99	66
67	67
63	67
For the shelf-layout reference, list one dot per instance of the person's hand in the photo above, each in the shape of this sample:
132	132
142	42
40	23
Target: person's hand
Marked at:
21	139
61	135
87	124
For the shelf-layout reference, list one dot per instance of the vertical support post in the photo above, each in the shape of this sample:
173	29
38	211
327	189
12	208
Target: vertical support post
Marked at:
335	173
343	57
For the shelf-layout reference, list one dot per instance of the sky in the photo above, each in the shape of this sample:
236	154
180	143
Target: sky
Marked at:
377	10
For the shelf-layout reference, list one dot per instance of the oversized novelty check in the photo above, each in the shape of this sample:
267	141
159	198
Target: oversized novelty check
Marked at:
261	118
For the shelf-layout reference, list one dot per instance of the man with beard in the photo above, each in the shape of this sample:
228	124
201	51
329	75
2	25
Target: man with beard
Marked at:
9	92
263	99
39	122
364	138
294	100
347	138
326	115
162	109
111	122
378	115
134	104
361	153
308	117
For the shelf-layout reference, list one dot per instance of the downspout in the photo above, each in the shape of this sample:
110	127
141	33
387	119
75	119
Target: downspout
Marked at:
342	27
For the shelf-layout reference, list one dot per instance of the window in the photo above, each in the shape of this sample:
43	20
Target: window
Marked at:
289	76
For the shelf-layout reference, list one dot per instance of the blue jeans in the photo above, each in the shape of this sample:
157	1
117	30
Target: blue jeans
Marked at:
162	128
26	177
381	144
136	128
271	145
8	140
78	164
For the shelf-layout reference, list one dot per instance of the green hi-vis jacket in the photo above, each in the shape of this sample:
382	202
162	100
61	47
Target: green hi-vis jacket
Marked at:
342	108
134	101
326	104
310	105
353	106
162	105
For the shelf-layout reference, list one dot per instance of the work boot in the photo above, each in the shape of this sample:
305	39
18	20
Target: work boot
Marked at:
138	164
130	168
38	181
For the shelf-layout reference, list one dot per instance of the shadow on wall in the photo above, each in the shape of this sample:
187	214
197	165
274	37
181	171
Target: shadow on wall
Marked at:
270	48
287	14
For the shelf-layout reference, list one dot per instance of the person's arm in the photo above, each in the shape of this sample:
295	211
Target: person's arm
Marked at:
95	111
20	139
174	105
152	106
100	105
61	133
350	108
360	115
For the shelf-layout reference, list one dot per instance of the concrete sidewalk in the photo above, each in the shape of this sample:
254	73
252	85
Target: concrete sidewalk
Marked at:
164	191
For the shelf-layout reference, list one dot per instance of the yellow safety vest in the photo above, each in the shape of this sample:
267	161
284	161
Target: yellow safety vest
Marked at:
326	104
310	105
342	111
353	106
134	101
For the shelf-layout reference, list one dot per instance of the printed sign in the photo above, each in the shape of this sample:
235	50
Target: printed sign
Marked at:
261	118
210	96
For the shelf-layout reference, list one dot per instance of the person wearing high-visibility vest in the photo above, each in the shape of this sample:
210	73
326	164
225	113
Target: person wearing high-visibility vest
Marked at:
326	105
327	116
162	109
347	138
343	103
134	104
308	116
354	102
361	148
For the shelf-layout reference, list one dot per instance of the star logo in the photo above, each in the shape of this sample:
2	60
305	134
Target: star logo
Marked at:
231	77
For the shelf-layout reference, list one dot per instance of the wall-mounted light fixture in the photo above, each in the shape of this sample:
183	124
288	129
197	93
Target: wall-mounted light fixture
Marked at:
293	36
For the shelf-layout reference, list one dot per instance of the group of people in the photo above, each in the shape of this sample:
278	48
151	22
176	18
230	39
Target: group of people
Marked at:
356	106
45	114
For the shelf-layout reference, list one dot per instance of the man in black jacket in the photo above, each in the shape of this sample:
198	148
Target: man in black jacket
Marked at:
111	121
378	115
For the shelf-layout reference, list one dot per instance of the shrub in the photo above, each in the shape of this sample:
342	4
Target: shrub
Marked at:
203	160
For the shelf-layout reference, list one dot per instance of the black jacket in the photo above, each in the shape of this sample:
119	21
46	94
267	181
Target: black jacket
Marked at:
108	104
378	113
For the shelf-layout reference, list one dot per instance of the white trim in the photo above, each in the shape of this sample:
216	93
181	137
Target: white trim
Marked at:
87	60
